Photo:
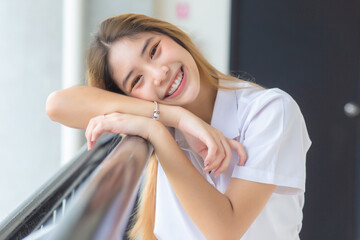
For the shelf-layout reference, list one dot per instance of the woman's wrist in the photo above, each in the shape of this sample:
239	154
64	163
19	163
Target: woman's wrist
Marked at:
170	115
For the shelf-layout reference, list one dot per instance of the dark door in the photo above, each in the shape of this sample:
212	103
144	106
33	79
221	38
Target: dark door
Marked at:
311	50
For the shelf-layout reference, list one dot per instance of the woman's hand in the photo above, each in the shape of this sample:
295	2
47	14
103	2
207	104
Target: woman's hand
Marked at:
206	140
210	143
118	123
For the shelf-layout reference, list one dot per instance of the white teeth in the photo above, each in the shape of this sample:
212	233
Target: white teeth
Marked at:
176	83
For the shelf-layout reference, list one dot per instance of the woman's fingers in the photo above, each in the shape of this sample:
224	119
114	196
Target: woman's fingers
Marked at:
210	143
100	128
239	148
88	132
221	154
97	126
226	161
212	149
118	123
220	162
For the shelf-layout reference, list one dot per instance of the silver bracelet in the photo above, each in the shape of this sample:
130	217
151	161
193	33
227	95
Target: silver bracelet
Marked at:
156	114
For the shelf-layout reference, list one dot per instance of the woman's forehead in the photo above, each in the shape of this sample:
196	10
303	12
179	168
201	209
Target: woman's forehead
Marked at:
131	46
131	42
142	35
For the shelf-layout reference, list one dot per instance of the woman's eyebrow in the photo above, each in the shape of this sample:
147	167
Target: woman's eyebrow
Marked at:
126	78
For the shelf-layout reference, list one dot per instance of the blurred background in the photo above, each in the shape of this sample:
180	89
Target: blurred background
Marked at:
311	49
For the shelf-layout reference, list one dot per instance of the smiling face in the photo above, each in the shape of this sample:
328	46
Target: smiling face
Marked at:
154	67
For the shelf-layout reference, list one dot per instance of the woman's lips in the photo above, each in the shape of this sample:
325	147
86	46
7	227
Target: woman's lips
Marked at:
178	84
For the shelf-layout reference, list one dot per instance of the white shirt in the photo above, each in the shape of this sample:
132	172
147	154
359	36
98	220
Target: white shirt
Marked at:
271	127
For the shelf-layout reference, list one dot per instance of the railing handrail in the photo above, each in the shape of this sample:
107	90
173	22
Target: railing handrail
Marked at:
103	207
36	209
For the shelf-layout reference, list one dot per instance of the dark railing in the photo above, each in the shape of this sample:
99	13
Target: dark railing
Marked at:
101	193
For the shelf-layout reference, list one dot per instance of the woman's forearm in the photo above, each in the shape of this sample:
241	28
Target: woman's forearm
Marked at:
75	106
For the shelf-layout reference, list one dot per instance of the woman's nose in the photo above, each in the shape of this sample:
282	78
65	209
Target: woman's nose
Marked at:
160	74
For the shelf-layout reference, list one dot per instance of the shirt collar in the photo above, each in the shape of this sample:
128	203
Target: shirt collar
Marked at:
225	117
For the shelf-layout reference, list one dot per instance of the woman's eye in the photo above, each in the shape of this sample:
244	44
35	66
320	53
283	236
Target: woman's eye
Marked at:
153	50
136	80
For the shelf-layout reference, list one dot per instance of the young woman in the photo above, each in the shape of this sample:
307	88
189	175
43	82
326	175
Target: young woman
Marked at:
147	78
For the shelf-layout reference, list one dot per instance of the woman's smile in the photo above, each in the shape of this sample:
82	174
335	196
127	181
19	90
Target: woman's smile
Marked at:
177	84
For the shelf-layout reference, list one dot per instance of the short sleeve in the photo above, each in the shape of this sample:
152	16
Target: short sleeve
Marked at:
276	140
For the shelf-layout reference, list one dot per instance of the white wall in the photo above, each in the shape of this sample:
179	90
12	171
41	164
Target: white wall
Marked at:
207	23
30	69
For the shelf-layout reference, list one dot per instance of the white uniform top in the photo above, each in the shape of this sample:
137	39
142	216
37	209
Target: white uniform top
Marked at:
271	127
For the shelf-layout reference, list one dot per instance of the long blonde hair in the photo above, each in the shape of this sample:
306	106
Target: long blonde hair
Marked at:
127	25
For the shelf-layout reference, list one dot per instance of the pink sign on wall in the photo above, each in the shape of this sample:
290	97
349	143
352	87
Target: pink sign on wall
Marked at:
182	10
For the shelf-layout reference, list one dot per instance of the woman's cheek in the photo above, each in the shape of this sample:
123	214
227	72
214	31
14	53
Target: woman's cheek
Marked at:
145	95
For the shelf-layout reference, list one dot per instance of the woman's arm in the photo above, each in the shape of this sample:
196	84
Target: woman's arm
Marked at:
75	106
217	215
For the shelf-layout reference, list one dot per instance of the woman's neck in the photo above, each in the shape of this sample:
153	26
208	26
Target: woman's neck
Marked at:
204	104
